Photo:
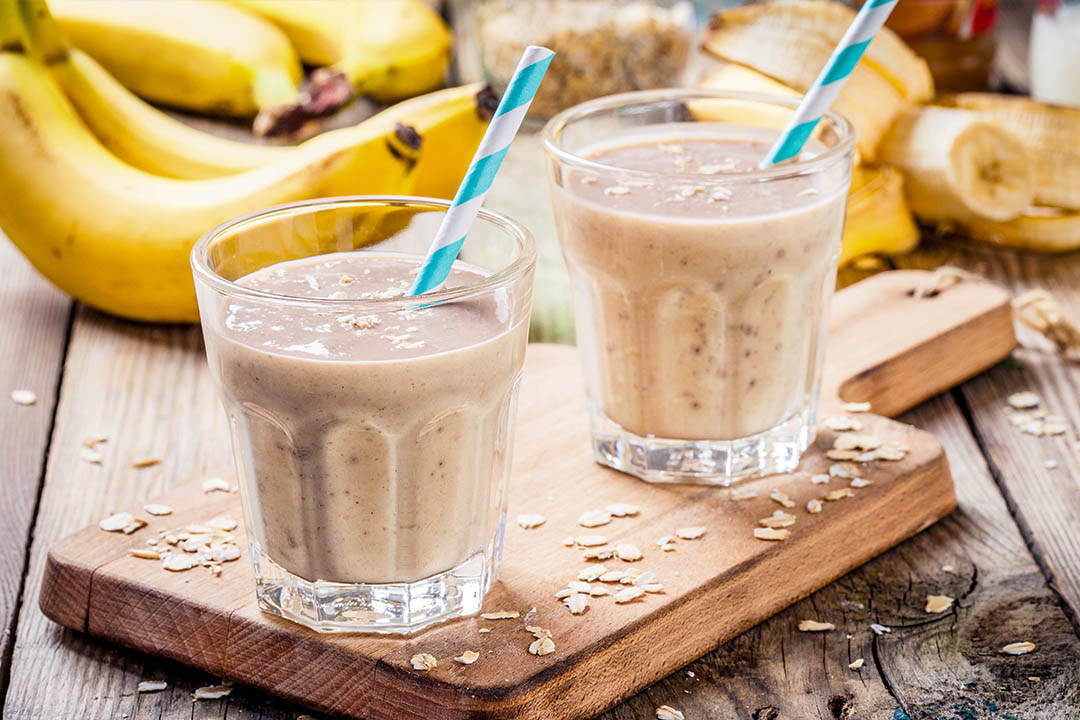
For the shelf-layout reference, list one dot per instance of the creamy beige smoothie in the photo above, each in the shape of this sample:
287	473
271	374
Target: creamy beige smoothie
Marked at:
373	444
698	303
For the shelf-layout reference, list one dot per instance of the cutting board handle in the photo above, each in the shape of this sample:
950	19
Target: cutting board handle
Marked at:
900	337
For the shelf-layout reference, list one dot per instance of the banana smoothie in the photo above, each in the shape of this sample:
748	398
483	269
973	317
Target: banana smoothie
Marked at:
373	445
699	302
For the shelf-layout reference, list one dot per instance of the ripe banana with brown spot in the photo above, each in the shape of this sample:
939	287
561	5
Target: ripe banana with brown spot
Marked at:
957	166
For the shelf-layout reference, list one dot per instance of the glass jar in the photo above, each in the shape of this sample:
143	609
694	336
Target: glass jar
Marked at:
1054	59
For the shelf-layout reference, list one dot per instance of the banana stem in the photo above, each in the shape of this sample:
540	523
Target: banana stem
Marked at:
11	31
46	42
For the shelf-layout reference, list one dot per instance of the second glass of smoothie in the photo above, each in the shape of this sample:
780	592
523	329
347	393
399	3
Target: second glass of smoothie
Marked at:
371	431
701	283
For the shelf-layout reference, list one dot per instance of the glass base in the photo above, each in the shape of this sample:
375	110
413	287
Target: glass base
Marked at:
702	462
330	607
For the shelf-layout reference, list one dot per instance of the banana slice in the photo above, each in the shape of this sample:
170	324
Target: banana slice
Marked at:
878	218
887	53
1050	133
794	57
958	167
1039	229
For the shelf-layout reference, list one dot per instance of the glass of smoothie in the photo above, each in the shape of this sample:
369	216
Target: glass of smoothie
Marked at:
372	431
701	284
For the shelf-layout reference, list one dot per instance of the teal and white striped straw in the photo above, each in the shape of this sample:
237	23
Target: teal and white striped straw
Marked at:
872	15
489	156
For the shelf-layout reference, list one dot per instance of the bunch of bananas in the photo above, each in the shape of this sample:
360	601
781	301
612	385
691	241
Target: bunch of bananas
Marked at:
237	58
998	169
105	194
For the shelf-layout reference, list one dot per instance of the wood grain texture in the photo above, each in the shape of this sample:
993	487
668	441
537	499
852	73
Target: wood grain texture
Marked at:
930	666
33	324
716	587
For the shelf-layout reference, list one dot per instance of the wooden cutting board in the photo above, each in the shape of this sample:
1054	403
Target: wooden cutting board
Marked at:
886	346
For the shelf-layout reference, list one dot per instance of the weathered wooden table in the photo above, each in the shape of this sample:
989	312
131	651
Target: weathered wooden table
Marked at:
1012	547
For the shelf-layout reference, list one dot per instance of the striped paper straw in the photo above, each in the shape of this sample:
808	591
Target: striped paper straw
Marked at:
485	163
826	87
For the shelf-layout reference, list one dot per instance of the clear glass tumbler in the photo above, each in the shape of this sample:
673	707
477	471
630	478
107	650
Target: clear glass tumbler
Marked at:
701	284
371	431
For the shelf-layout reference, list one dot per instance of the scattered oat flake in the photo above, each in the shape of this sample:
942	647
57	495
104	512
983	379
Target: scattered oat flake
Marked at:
178	563
23	397
762	533
213	692
500	615
860	482
528	521
594	518
149	686
542	646
842	422
222	523
856	407
691	533
597	554
880	629
890	453
590	540
617	190
612	576
628	552
843	470
591	573
838	494
96	439
666	712
1050	464
782	497
813	506
938	603
588	180
1023	400
577	603
856	665
145	554
484	630
668	547
622	509
815	626
820	478
948	569
778	519
90	455
468	657
1018	648
158	509
116	522
536	630
424	661
214	484
145	462
1054	428
835	454
664	540
653	588
628	594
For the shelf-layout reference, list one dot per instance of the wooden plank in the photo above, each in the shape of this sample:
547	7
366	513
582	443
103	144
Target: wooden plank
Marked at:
34	325
1046	502
216	625
929	666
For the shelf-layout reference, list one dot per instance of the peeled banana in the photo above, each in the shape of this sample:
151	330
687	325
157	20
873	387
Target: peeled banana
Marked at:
202	55
118	238
887	53
1050	133
958	167
384	49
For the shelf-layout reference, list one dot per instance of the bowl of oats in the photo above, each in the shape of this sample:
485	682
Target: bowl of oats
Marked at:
601	46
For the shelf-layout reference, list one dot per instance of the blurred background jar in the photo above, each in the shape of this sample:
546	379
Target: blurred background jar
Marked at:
1055	52
601	46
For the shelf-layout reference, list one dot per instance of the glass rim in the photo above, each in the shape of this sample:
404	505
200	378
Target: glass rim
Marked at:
524	239
555	126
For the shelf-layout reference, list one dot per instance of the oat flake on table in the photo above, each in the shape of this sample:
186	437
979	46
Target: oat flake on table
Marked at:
622	509
23	397
590	540
691	533
762	533
938	603
666	712
158	509
856	665
1018	648
424	661
468	657
594	518
781	497
815	626
213	692
149	686
214	484
628	552
500	615
629	594
542	646
527	521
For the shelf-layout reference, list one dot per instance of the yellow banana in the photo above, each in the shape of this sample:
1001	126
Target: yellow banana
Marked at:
794	57
118	238
878	219
958	167
385	49
199	54
1038	229
1050	133
887	53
